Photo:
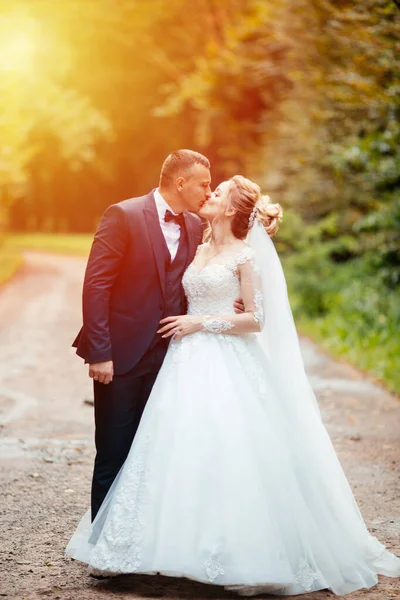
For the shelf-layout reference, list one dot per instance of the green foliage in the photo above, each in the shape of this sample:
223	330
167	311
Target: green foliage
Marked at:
344	267
348	309
371	167
41	115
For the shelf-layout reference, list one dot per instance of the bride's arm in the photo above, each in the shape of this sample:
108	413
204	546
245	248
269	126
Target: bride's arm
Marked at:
248	322
235	324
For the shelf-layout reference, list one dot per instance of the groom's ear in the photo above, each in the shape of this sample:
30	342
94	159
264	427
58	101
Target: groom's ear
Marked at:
179	181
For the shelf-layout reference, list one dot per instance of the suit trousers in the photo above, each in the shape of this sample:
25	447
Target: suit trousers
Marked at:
118	407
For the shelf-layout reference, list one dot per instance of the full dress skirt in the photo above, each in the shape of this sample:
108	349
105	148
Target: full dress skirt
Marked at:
220	488
222	484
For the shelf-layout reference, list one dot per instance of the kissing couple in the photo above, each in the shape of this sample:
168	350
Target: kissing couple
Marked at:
212	460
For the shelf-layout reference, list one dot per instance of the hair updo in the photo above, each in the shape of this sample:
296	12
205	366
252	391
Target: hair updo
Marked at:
244	194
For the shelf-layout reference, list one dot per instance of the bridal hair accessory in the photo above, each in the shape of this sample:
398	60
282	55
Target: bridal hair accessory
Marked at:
254	212
262	202
268	214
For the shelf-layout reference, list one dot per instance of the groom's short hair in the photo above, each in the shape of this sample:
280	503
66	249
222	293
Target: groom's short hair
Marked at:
179	162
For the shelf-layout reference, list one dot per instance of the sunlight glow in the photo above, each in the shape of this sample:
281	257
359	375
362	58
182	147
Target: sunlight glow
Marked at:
19	42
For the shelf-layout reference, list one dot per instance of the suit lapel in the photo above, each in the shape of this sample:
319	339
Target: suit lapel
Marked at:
156	237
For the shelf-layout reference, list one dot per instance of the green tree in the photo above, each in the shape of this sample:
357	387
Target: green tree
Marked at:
38	111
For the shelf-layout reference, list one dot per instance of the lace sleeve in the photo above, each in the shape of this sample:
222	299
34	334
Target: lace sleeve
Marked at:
250	287
252	320
217	325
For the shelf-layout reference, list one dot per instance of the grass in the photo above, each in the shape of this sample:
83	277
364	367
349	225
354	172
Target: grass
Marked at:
354	317
10	262
11	257
379	360
76	244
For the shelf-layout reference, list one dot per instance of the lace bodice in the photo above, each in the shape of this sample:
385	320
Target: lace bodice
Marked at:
213	289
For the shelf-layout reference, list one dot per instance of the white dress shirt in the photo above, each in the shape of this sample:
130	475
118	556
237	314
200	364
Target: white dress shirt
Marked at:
171	230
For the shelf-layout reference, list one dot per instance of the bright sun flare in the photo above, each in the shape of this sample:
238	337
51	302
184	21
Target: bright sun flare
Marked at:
18	44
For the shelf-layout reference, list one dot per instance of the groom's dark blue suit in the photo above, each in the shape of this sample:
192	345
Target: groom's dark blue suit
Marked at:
130	285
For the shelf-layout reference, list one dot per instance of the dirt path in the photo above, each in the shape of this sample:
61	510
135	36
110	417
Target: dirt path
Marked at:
46	445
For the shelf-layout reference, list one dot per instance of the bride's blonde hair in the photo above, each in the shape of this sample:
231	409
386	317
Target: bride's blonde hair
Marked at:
249	204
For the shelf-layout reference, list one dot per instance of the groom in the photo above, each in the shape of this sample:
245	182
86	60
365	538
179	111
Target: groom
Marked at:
133	280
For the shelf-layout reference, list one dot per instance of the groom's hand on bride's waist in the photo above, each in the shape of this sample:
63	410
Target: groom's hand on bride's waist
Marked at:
238	305
102	372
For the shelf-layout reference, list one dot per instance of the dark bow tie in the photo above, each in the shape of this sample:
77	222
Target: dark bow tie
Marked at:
179	219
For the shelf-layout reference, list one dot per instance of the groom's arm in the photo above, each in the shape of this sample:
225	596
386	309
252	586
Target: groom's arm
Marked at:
108	248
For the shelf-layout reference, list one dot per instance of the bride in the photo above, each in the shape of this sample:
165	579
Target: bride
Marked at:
232	478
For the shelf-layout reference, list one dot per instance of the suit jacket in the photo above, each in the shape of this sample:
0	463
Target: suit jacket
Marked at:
124	285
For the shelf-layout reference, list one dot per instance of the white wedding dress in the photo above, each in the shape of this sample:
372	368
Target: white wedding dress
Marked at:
221	485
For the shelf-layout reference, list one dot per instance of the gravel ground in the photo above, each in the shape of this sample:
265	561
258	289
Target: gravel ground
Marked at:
46	445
